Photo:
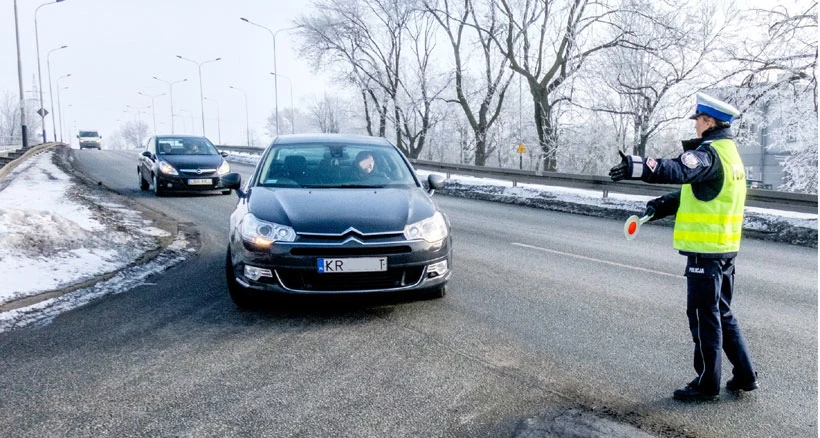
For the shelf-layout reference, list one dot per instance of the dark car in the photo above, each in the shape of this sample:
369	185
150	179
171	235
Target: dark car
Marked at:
181	163
329	214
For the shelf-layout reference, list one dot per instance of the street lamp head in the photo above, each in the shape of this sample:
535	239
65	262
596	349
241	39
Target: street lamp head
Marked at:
180	57
243	19
63	47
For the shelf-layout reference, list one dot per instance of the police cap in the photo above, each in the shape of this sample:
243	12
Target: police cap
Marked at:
720	110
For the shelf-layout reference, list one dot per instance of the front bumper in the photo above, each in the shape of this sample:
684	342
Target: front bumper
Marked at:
293	267
183	183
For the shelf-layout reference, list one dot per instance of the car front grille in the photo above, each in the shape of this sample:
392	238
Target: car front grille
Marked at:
313	281
202	172
350	251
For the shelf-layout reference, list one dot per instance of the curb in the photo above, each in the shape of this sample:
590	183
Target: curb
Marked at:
5	170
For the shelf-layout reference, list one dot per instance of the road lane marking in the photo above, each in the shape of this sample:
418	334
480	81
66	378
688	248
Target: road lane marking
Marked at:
607	262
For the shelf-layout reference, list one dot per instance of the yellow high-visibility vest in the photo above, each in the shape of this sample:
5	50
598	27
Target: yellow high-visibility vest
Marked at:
714	227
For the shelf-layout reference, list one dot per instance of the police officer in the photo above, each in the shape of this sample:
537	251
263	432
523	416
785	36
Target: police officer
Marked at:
708	222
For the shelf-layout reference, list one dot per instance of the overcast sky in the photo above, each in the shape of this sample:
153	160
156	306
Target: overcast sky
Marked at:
115	47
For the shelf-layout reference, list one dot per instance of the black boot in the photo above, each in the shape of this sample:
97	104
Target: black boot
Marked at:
691	392
735	384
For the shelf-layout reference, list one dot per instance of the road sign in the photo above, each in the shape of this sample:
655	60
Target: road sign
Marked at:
42	112
521	148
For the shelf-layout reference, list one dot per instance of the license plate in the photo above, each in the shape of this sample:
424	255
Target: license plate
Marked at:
199	182
359	264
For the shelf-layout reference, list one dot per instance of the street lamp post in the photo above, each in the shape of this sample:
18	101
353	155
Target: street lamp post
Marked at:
51	93
138	109
39	75
247	124
275	82
171	96
190	116
153	111
218	123
59	106
292	116
24	136
201	96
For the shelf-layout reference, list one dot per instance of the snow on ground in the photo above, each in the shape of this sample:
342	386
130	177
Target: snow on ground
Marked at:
56	233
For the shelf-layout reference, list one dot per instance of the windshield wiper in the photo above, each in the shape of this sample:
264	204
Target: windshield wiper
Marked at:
360	186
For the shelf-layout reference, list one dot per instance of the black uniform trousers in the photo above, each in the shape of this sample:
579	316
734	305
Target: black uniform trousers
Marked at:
710	284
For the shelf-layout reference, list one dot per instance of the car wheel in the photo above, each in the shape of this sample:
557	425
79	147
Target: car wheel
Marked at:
242	297
226	192
158	191
143	183
439	293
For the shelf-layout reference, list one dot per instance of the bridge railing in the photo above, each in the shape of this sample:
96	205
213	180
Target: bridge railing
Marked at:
800	202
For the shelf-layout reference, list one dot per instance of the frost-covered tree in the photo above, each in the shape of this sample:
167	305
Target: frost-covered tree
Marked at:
649	83
778	93
479	86
134	134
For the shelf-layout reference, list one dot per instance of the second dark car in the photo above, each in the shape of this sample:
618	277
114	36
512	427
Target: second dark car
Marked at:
181	163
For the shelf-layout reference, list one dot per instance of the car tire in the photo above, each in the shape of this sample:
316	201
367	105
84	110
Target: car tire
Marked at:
439	293
242	297
143	183
158	191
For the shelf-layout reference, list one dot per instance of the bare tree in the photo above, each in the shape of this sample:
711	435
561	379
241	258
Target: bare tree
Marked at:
9	118
325	114
547	41
646	82
366	39
420	87
778	93
455	17
134	133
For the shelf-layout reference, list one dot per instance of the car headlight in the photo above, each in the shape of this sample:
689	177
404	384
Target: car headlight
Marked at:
167	168
223	168
432	229
263	233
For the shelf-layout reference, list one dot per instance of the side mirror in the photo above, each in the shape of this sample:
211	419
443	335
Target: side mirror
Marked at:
435	182
146	154
232	181
78	136
223	153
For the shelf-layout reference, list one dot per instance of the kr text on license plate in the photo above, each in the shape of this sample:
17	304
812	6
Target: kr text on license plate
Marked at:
357	264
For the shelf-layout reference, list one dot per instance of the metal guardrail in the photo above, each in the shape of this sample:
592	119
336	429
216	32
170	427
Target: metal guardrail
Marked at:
799	202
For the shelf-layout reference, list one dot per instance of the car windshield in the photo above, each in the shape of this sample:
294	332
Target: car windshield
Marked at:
185	146
89	134
335	166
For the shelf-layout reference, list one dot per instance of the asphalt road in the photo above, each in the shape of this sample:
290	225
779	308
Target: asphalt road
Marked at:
547	315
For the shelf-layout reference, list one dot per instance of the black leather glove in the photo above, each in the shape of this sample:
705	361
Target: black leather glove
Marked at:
650	209
630	167
619	171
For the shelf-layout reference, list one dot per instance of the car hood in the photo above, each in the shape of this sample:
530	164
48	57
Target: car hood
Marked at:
333	211
193	161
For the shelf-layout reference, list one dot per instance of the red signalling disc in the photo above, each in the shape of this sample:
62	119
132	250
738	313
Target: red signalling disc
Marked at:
633	226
